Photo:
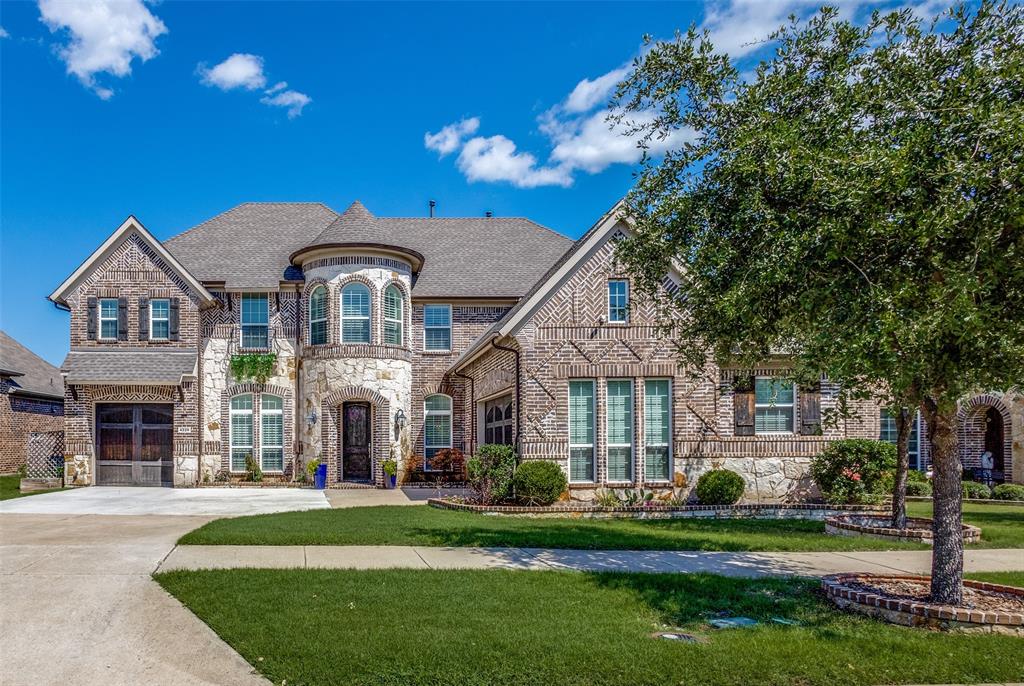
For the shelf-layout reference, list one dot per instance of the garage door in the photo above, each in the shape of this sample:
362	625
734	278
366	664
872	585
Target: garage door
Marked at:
134	444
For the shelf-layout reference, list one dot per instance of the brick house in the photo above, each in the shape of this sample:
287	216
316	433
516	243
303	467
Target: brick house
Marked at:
31	400
399	337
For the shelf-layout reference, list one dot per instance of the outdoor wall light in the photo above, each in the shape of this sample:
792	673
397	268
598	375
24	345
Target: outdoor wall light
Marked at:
400	419
311	418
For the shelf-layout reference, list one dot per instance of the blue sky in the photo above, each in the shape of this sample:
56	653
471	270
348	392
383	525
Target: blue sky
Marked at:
176	111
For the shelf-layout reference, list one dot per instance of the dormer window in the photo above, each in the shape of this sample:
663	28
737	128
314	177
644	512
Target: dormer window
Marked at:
108	319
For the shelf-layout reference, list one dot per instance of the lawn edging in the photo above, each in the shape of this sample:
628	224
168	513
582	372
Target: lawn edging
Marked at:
918	529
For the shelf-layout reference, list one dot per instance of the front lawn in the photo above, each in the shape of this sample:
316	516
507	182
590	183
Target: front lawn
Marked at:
9	488
1002	526
538	627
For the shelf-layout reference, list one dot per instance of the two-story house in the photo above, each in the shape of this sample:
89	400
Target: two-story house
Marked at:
399	337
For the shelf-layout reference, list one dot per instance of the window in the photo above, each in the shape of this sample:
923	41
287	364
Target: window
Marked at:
318	316
620	429
437	327
657	430
437	425
271	433
355	313
393	315
108	318
773	406
160	319
581	430
498	421
618	301
255	321
241	431
888	434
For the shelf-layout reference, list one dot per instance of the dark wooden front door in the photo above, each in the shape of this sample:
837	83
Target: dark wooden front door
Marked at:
355	436
134	444
994	437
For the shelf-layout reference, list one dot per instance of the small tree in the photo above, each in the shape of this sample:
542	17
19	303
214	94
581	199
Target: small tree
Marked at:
855	203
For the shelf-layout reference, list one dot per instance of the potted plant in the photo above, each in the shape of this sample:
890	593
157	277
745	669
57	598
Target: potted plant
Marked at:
390	472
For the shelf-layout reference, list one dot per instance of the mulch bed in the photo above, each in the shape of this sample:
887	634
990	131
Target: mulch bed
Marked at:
916	590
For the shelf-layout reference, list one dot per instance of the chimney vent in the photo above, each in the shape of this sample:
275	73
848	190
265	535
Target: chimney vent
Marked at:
433	204
488	214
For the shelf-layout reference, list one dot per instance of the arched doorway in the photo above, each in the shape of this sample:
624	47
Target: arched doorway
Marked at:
994	441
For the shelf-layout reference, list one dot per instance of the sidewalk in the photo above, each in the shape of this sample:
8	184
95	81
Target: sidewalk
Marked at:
729	564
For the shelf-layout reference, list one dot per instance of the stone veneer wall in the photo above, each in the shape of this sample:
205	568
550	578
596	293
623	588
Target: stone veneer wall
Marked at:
20	416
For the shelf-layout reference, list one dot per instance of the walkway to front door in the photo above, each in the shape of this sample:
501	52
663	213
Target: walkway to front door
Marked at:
355	441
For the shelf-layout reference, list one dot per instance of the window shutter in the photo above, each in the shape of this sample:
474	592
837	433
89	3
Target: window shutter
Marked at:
743	406
91	319
173	323
122	319
810	410
143	319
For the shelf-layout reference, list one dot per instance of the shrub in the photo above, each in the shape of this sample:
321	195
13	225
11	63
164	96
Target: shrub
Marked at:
919	488
252	470
719	487
1008	492
975	491
450	460
917	476
489	473
390	466
538	482
854	470
311	468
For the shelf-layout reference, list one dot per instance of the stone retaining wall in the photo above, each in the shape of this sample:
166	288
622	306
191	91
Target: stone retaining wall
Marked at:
876	526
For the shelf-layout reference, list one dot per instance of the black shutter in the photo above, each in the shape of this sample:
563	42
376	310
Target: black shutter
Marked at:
90	326
810	410
143	319
122	319
743	406
173	323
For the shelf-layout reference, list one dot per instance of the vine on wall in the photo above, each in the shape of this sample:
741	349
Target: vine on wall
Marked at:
256	366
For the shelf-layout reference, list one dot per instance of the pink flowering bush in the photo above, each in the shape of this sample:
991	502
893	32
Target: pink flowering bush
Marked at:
855	471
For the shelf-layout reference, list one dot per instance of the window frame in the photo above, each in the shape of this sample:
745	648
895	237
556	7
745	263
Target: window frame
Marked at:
153	319
352	286
319	289
593	430
400	320
624	307
101	319
793	405
242	325
631	424
428	414
232	445
915	435
497	402
277	412
668	443
448	328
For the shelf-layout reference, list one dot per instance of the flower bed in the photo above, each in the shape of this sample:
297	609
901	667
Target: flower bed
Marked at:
918	530
904	600
654	510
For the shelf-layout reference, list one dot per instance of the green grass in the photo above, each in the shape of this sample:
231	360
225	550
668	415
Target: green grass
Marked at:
9	488
1006	578
428	526
533	627
1002	526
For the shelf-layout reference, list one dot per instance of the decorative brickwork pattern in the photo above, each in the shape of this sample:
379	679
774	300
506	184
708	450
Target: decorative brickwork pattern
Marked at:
19	418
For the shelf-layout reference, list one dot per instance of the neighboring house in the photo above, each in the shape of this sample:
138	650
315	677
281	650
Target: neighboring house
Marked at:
31	400
400	337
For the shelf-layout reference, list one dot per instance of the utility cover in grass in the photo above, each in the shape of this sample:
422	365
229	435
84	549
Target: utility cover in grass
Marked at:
732	622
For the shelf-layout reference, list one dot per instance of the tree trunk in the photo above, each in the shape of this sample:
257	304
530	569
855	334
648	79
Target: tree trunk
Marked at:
899	488
948	548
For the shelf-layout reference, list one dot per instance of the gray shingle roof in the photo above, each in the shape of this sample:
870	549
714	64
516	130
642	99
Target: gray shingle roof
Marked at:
128	366
29	373
249	247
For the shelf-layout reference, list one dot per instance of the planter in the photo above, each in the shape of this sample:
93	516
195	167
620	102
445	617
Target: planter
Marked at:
919	530
390	480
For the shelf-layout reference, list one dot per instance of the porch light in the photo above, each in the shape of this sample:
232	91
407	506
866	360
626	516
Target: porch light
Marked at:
311	418
400	419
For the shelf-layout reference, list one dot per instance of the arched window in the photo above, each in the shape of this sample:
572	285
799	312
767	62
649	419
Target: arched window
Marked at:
355	314
271	433
241	431
318	316
437	425
393	315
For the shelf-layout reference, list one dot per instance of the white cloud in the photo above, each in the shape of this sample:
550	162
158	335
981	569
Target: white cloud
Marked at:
448	139
593	144
293	100
279	86
105	36
3	33
241	70
587	94
495	159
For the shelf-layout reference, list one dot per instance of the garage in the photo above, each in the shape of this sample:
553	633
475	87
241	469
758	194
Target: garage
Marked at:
134	444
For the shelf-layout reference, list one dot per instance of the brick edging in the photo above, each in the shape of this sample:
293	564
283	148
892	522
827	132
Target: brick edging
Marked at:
840	525
752	508
970	501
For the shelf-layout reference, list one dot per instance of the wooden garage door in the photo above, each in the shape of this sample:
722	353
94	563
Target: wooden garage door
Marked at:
134	444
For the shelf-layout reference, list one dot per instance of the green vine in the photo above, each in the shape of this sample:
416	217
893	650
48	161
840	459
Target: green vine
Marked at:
256	366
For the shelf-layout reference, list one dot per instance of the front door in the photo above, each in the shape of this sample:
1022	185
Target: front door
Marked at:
134	444
994	437
355	437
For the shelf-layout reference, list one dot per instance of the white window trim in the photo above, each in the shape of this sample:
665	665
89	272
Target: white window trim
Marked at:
231	431
312	321
425	328
671	408
356	317
279	413
401	315
792	431
593	428
100	318
632	431
153	319
608	297
242	324
436	413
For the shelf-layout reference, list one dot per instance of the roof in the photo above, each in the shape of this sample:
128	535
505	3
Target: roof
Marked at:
30	374
356	226
471	257
129	366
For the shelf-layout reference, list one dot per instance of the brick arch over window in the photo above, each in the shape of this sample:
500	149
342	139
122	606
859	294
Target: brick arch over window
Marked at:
374	306
971	432
332	316
331	428
257	390
406	312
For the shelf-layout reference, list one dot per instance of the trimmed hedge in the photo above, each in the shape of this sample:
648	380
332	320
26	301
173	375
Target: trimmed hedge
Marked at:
489	473
919	488
538	482
719	487
1008	492
975	491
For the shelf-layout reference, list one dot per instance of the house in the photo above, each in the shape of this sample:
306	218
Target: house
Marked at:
31	400
399	338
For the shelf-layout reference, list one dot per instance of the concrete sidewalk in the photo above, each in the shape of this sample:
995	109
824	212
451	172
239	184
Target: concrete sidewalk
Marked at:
730	564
